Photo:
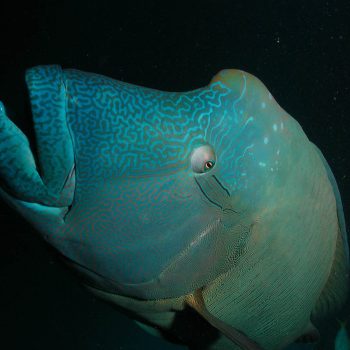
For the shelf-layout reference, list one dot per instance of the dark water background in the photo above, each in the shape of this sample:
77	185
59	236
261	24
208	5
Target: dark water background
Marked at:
299	49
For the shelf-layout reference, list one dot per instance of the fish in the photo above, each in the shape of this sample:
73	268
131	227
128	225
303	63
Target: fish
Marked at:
208	216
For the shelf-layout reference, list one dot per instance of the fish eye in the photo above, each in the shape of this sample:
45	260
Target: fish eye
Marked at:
203	159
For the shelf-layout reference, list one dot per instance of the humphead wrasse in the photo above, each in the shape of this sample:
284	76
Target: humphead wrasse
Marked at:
207	216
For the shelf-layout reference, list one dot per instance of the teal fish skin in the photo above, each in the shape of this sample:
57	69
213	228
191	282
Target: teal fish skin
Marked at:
152	195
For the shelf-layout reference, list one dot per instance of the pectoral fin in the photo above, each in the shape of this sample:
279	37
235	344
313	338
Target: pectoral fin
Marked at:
196	302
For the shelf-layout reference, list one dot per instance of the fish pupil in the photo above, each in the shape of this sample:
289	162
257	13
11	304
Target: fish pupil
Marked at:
209	164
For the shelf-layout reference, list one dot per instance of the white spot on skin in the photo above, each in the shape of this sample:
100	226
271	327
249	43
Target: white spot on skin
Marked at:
274	127
271	169
263	105
278	152
266	140
202	235
262	164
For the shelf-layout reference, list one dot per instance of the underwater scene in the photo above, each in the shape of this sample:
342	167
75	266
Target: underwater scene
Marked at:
175	175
